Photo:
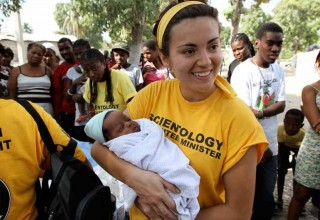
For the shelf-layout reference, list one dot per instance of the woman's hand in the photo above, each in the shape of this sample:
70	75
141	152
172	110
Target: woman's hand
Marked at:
148	68
153	199
77	98
117	66
80	80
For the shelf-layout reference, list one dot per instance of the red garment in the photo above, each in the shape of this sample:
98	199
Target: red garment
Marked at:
60	103
111	63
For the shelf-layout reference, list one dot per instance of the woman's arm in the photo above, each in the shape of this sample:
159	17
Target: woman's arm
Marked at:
69	90
239	184
12	83
150	187
310	108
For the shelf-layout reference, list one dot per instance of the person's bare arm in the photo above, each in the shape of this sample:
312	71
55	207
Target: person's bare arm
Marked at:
12	83
272	110
69	91
239	184
310	108
150	187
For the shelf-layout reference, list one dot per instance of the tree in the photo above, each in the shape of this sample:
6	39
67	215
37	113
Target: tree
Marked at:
8	6
251	20
126	21
27	28
72	21
300	23
225	35
234	12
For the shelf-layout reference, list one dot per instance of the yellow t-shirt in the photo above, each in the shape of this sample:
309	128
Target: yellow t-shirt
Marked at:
214	133
122	90
290	141
22	156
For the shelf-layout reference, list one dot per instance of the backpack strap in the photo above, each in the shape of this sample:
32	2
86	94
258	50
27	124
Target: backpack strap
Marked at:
44	132
45	135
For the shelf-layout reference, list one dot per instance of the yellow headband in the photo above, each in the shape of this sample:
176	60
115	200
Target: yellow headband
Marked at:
168	16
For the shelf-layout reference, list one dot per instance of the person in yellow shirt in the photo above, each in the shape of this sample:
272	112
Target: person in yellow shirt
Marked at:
290	136
106	88
201	114
23	157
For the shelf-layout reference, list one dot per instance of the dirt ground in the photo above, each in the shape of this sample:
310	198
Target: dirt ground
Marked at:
293	88
294	85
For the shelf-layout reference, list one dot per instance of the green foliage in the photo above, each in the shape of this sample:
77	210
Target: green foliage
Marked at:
225	36
27	28
129	21
237	10
300	23
251	19
71	20
8	6
123	18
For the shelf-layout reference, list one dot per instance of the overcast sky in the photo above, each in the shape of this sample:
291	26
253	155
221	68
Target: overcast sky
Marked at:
39	14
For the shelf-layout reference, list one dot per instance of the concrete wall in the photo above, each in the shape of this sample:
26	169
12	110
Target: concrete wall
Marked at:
13	45
305	70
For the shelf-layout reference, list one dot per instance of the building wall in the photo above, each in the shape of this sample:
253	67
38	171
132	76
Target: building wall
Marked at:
13	45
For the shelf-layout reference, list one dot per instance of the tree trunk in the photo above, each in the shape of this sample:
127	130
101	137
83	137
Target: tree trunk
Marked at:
237	6
137	32
136	44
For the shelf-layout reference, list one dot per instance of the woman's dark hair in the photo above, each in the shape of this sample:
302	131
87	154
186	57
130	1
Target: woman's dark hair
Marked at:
35	44
243	37
268	27
191	11
1	50
93	55
82	43
317	63
151	44
7	50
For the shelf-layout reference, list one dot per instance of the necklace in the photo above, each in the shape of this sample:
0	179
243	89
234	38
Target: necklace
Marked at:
265	81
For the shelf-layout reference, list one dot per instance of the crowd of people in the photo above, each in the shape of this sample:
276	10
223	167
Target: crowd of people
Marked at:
225	129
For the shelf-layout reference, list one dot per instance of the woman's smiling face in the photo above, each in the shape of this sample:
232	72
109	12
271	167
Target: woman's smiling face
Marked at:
195	56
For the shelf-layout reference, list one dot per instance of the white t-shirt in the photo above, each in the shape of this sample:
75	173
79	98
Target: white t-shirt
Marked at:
260	88
134	74
72	74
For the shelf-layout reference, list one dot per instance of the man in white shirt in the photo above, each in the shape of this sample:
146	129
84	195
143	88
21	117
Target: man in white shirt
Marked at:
260	83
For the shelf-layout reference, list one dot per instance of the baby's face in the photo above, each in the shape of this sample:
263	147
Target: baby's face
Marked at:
117	124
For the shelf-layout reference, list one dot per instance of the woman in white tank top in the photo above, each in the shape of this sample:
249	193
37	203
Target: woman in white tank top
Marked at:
32	80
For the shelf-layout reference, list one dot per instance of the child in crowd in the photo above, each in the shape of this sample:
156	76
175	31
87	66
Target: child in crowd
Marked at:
7	58
307	173
290	136
153	69
121	54
83	106
142	142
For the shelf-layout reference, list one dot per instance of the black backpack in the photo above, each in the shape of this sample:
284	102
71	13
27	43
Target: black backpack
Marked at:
75	191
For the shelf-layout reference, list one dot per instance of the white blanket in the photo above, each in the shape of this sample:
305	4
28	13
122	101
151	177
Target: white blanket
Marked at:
150	150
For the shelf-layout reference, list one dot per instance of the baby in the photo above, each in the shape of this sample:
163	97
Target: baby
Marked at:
142	143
